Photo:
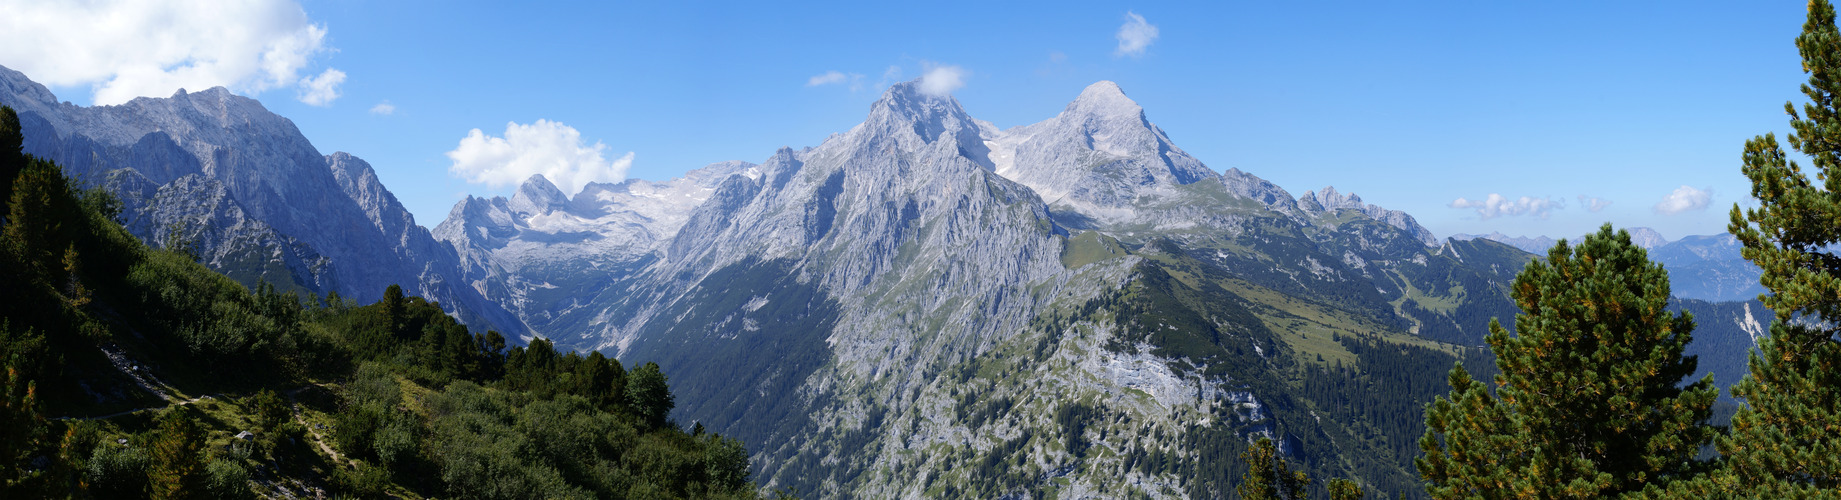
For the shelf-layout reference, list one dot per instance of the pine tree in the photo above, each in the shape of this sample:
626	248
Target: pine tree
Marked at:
1786	439
1343	489
75	293
178	464
1589	401
395	311
39	221
12	157
1268	476
1470	444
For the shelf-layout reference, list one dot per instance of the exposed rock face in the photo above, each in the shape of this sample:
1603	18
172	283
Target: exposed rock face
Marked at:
273	207
1251	187
1099	155
902	199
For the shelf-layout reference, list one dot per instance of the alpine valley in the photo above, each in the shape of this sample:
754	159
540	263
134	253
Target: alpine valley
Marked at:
922	306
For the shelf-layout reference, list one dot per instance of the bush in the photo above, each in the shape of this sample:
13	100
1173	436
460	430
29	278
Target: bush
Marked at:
117	472
227	480
365	482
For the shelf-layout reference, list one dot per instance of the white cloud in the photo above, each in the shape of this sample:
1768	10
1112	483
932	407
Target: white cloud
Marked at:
125	49
1593	204
837	77
1685	198
1497	205
546	147
829	77
941	80
321	90
383	108
1135	35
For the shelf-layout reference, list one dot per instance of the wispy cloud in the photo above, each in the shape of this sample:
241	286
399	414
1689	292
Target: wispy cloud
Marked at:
125	49
889	76
545	147
1684	199
1593	204
383	108
1135	35
827	78
1496	205
321	90
855	80
942	79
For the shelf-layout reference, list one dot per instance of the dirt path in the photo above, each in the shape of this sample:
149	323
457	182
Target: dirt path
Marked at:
137	410
141	378
127	367
318	439
147	382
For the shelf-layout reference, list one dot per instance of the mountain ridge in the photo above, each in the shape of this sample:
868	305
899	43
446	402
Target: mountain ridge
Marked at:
321	223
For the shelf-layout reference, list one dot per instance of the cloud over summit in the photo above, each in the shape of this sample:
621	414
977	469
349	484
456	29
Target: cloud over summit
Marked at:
545	147
942	79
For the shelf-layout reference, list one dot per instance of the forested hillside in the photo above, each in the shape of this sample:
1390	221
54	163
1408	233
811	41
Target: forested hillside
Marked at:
133	371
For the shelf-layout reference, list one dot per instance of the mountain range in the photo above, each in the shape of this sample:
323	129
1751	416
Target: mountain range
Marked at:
1706	268
922	306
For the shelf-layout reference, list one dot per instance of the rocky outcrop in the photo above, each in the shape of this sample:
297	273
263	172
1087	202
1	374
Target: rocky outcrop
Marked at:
1329	201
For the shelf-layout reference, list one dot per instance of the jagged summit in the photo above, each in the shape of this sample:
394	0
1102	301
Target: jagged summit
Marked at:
538	196
905	106
1328	201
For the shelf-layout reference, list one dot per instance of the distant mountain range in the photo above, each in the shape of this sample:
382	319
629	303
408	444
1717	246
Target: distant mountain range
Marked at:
922	306
1707	268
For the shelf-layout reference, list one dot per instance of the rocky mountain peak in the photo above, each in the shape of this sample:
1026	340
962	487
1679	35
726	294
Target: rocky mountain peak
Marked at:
1100	153
1646	238
1329	199
16	84
905	107
538	196
1105	98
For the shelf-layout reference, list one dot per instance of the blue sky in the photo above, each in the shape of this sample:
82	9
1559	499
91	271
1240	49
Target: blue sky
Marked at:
1412	105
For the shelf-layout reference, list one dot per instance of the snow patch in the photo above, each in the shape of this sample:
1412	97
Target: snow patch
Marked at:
755	304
